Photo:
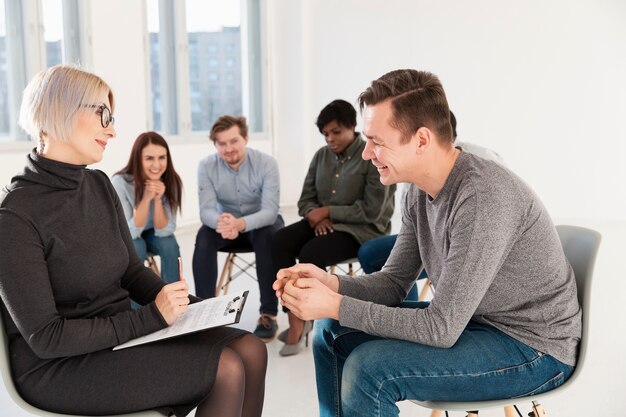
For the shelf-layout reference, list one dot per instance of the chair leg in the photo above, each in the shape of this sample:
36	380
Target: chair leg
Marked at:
153	265
436	413
424	291
350	270
538	410
509	411
230	273
218	289
332	269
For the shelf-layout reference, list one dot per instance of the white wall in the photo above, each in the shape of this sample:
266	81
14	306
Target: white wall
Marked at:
540	82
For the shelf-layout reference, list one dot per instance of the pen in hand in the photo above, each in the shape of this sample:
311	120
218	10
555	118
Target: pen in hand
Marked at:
180	269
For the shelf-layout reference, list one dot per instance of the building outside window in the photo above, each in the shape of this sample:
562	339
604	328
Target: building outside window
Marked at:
201	74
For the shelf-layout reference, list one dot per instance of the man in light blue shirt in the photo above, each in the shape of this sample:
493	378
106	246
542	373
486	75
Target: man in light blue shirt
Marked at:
238	190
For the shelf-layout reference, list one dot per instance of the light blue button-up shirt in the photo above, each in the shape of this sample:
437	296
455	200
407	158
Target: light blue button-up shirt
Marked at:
251	192
125	187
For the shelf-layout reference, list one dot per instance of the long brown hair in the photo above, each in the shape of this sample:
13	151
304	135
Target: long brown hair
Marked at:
134	168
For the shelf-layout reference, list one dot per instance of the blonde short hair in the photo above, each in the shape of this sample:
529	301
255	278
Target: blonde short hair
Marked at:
51	101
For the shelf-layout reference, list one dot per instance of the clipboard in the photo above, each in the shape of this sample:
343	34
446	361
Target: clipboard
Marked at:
206	314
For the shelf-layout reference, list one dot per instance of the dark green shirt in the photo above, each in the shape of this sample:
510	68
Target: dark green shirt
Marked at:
359	204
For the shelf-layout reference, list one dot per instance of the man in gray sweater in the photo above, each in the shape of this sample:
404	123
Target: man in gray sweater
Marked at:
504	321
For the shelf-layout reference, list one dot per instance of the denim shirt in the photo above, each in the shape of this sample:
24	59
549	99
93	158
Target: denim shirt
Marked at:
125	187
251	192
350	186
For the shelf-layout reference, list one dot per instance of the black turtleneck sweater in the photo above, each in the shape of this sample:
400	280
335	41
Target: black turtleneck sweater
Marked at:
67	268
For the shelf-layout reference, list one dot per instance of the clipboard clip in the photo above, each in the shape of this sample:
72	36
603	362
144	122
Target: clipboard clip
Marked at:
233	306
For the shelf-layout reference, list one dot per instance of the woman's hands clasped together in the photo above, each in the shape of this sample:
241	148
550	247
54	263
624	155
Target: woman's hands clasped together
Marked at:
308	291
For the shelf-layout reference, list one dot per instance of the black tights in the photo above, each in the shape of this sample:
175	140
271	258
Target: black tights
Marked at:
239	386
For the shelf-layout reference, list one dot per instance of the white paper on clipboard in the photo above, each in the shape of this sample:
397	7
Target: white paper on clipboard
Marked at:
212	312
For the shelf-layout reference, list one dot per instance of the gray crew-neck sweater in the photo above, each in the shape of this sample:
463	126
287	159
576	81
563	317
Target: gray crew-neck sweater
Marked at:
493	255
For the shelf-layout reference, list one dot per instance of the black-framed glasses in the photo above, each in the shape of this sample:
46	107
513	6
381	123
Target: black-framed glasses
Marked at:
106	118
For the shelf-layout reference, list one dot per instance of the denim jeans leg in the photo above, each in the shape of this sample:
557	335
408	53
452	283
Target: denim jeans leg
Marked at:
483	364
374	253
167	248
332	344
140	247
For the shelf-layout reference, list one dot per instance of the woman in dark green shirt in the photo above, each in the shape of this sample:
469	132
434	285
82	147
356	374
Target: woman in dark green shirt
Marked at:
343	204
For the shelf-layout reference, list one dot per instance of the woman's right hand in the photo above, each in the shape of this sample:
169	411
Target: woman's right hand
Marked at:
173	301
149	190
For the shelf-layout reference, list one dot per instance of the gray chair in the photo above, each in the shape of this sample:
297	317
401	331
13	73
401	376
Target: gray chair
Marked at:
581	247
5	369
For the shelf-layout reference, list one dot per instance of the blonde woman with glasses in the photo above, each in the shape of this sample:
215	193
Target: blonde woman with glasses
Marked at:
68	269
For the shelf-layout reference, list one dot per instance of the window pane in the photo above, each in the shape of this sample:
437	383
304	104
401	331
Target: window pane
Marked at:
214	37
53	31
4	84
162	38
153	36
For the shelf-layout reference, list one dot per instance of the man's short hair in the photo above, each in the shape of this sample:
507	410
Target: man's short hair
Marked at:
52	99
339	110
417	100
226	122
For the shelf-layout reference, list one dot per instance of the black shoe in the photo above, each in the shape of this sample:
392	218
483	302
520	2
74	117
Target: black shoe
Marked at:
266	328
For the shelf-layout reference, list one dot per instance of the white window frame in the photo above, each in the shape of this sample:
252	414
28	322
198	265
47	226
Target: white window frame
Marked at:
180	116
26	47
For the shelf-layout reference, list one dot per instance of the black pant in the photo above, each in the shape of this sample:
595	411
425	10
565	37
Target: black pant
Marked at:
208	242
298	242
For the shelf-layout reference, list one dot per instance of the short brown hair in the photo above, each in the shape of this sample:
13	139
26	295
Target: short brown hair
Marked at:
417	100
226	122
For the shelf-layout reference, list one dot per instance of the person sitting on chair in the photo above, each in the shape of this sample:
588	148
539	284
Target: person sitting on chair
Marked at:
68	269
374	253
150	191
238	189
504	320
342	204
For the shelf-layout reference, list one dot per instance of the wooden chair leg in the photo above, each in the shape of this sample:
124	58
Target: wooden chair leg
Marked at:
472	414
332	269
153	265
509	411
538	410
230	272
424	291
350	270
218	289
436	413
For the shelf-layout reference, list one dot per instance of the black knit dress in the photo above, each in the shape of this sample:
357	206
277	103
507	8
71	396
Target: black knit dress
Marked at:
67	269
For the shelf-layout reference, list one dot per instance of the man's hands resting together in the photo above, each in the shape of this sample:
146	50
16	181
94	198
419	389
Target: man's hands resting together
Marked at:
308	291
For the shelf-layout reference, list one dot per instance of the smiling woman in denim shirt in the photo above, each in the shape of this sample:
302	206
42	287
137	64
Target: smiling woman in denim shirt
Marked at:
150	191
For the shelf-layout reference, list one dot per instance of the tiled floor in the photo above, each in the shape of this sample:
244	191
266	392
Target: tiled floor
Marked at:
290	390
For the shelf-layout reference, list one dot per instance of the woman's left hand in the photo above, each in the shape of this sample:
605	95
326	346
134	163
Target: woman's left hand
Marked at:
324	227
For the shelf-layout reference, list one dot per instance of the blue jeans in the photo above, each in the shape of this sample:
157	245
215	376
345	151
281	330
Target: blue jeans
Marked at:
374	253
166	247
362	375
